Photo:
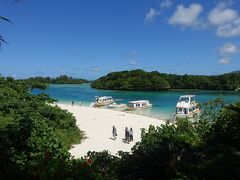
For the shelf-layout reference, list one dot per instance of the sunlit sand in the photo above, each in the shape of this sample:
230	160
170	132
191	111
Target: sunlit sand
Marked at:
97	126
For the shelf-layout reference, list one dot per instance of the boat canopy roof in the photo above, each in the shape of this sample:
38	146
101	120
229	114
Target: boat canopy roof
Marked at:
187	96
103	97
139	101
186	101
183	105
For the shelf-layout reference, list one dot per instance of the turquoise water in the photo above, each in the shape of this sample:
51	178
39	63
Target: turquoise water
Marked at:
163	102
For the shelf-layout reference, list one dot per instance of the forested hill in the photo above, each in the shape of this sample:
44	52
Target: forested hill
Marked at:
63	79
142	80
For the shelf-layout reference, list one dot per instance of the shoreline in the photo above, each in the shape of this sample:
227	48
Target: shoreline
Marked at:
96	123
161	116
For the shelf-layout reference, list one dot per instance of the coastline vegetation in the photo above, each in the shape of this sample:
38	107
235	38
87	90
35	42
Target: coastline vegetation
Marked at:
63	79
31	131
155	81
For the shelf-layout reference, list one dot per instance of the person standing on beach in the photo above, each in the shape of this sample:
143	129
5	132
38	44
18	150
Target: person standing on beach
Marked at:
126	134
114	132
72	103
131	134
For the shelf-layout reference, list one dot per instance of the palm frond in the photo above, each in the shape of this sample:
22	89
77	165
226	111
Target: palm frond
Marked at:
5	19
2	40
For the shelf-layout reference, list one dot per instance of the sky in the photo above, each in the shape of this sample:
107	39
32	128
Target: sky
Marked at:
90	38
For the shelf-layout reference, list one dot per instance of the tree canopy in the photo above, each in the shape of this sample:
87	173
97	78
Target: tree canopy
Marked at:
141	80
63	79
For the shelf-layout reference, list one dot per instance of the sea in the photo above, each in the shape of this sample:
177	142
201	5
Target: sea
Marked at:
164	102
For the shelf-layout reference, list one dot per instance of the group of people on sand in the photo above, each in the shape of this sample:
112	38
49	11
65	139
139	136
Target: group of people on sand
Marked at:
128	134
80	103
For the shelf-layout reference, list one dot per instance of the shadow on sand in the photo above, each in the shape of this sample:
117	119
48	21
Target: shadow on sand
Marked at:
125	140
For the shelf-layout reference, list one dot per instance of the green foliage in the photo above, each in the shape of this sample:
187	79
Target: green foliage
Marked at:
34	136
58	80
209	116
160	152
16	102
219	157
32	148
105	164
141	80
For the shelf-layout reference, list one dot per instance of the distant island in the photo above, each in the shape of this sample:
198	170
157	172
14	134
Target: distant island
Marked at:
238	71
155	81
43	82
63	79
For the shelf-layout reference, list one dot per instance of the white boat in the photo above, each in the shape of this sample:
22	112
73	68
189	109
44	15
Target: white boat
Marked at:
103	101
187	106
117	106
141	104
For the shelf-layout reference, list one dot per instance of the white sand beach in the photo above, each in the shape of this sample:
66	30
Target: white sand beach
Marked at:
97	126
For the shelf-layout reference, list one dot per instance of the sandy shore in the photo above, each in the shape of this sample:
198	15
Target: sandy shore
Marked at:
97	126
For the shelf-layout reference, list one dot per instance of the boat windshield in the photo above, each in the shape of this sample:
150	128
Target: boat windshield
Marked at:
131	105
186	99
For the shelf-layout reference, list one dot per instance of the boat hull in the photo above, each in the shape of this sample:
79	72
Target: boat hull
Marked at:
103	104
135	108
190	115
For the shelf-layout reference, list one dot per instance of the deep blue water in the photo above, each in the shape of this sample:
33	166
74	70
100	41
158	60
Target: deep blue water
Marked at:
163	102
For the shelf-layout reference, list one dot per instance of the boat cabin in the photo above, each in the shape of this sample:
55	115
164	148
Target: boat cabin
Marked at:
104	100
138	104
186	106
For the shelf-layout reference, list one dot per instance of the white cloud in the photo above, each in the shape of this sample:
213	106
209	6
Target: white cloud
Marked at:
166	4
225	61
152	13
186	16
226	20
226	52
133	63
228	49
221	15
231	29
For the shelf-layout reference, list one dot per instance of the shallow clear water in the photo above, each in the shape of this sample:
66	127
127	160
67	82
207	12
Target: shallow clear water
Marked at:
163	102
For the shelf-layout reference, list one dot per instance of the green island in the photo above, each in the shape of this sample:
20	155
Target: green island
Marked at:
35	137
63	79
155	81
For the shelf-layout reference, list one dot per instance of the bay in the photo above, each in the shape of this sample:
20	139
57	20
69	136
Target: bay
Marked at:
164	102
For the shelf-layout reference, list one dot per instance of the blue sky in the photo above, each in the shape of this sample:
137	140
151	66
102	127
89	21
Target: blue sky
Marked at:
90	38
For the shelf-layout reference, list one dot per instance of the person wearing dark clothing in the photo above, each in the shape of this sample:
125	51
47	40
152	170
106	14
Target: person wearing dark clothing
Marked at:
114	132
131	134
126	134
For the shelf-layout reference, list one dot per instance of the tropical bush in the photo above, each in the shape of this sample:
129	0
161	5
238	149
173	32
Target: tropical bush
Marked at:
34	135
